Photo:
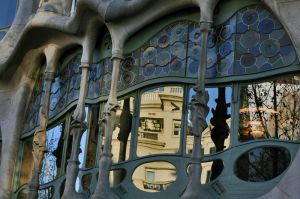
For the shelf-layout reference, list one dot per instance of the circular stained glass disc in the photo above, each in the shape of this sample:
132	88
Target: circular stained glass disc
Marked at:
248	60
163	41
225	48
250	39
163	58
250	17
149	69
193	67
176	65
266	26
149	53
225	32
178	50
127	77
270	47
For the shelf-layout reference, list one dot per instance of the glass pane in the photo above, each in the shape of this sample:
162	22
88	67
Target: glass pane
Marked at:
81	155
122	134
160	121
53	157
215	137
46	193
93	138
27	163
270	110
154	176
262	164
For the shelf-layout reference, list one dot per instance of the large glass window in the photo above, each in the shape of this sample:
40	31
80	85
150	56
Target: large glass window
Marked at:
270	110
160	120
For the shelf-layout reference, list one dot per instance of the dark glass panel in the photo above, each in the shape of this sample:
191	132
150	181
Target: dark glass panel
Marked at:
86	182
262	163
270	110
154	176
160	121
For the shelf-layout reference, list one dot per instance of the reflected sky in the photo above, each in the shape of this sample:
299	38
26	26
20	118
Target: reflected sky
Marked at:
213	94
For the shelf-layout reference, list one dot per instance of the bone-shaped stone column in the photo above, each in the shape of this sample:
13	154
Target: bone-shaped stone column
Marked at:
39	139
78	126
199	111
103	190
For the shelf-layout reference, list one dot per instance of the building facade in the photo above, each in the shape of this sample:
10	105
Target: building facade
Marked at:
123	99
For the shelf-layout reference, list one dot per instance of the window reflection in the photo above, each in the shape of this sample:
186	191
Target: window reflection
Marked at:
53	156
160	121
262	164
215	137
154	176
270	110
122	134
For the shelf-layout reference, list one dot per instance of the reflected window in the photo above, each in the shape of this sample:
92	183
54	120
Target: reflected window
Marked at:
154	176
122	133
262	164
215	137
160	121
53	157
270	110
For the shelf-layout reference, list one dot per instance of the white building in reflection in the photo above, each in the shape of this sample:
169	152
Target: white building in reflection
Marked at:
159	132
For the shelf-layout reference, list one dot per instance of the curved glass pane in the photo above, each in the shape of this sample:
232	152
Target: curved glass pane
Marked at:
160	121
215	137
154	176
122	133
270	110
53	157
262	163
